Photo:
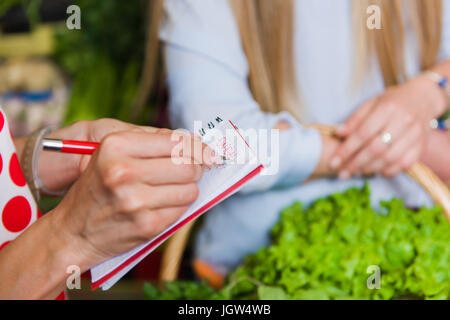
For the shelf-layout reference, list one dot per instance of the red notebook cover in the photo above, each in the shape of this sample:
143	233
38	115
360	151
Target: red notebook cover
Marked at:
169	233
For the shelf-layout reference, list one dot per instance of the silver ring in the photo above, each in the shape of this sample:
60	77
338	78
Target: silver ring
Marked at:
386	137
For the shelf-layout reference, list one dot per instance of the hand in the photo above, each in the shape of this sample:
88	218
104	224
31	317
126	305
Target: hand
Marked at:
323	169
58	171
403	113
130	191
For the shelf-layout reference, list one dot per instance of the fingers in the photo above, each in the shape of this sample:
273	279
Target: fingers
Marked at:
355	119
192	147
165	171
375	166
98	129
375	149
138	144
404	164
157	171
369	128
174	195
404	155
389	157
152	222
378	156
137	198
141	144
146	224
155	130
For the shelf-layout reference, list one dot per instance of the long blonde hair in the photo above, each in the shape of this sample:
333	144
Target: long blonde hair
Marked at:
267	27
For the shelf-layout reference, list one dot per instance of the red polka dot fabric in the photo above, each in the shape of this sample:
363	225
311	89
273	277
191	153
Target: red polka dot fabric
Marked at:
15	172
2	121
18	210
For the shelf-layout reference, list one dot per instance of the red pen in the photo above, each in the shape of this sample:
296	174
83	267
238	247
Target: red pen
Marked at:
70	146
76	147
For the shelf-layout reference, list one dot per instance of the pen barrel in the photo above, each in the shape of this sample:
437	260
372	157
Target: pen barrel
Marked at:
79	147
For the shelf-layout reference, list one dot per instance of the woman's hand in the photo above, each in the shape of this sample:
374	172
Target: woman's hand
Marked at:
130	191
387	135
58	171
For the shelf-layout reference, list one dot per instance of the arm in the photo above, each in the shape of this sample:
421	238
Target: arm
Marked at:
130	191
329	146
203	85
437	154
323	169
33	266
437	150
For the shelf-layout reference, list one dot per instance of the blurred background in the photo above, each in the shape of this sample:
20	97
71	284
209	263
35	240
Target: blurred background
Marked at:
50	75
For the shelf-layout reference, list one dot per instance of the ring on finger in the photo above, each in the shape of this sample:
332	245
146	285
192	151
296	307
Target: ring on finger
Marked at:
386	138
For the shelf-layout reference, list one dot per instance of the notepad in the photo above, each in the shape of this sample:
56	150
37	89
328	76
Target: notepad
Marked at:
215	186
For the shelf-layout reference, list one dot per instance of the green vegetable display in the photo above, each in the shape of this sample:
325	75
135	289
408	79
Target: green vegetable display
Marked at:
328	251
104	60
180	290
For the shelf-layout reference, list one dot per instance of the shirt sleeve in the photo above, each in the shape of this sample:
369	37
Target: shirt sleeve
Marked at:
207	76
445	45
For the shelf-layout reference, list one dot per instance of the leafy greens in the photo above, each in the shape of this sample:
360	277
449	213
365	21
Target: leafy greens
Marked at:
326	252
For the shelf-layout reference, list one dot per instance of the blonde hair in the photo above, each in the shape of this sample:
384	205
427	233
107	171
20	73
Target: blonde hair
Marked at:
388	42
149	74
267	28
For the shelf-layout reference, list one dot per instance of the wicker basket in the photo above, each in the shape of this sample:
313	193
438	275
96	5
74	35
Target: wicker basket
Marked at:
173	251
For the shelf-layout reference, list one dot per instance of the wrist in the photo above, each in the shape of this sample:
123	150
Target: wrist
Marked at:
329	147
436	102
43	274
67	246
58	171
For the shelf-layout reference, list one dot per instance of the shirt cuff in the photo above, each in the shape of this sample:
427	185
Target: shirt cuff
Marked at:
291	160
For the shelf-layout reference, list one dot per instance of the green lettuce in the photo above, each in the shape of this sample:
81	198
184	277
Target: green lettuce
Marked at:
329	250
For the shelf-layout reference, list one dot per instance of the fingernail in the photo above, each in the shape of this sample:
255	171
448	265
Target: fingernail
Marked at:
344	175
215	158
335	162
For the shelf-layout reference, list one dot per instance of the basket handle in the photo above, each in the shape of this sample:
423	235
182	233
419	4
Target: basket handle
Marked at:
173	252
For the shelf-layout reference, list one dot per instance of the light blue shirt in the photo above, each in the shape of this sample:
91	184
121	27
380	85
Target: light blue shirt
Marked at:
207	74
